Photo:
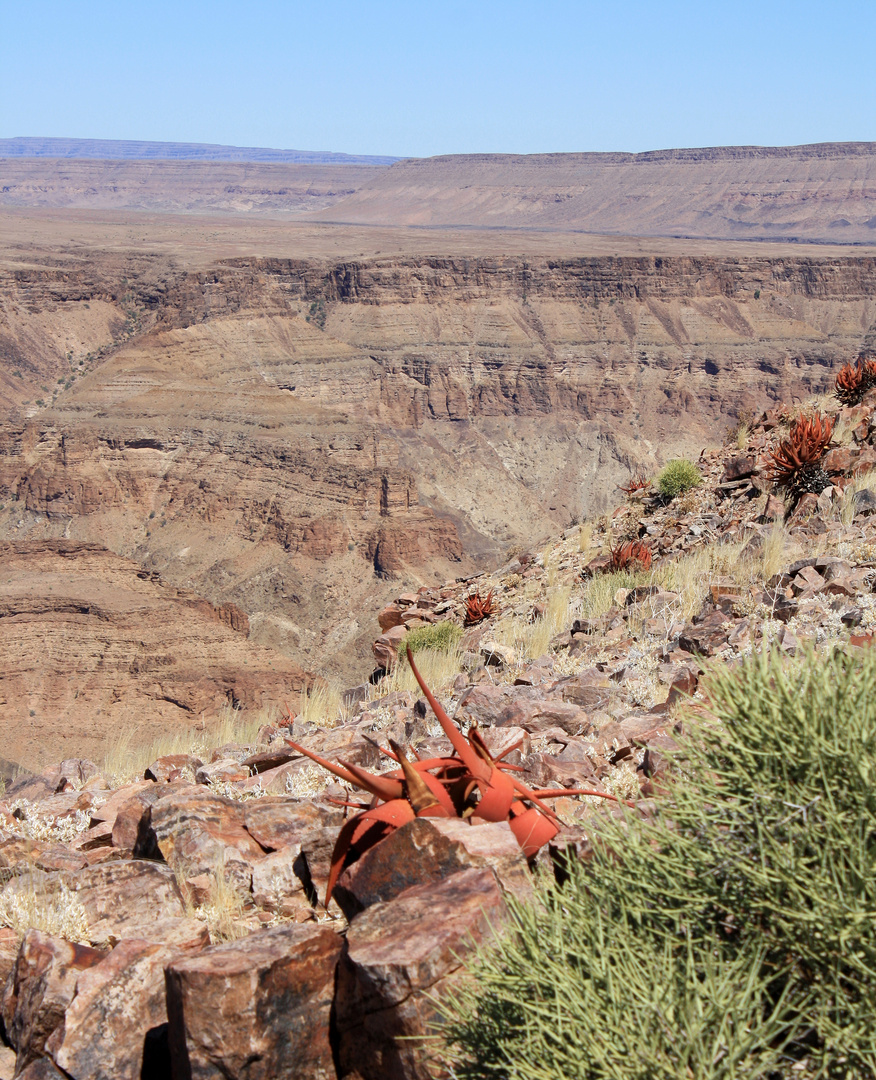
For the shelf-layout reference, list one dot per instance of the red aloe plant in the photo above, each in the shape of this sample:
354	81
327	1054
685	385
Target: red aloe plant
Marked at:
637	483
854	380
470	784
478	608
624	556
795	464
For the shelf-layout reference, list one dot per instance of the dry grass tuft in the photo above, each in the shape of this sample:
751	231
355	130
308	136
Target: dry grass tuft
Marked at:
126	760
29	903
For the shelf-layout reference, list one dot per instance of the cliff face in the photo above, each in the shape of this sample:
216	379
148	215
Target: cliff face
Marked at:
284	434
96	649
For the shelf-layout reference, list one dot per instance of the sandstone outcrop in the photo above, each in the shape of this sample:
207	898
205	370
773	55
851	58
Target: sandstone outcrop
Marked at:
286	434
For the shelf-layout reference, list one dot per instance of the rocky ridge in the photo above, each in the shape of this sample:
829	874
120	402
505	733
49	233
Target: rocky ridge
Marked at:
168	904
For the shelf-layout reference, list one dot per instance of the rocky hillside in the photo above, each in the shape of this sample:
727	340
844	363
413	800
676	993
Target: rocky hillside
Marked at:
152	906
824	192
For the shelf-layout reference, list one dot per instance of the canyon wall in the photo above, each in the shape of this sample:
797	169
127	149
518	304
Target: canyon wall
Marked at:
302	437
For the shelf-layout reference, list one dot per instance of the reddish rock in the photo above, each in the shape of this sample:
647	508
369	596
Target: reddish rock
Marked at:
492	844
171	766
399	956
9	945
281	883
536	716
739	468
706	637
774	509
257	1008
41	987
597	566
108	811
269	759
100	835
590	690
841	459
390	616
115	1026
808	580
122	898
198	832
386	647
223	771
805	508
486	703
277	822
430	850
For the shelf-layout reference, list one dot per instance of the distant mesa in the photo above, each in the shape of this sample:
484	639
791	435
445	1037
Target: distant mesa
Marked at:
820	193
139	150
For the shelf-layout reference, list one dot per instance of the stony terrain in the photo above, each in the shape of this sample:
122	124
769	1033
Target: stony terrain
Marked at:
163	906
824	192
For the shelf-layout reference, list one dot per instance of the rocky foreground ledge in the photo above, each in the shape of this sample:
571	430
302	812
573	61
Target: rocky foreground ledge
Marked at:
173	926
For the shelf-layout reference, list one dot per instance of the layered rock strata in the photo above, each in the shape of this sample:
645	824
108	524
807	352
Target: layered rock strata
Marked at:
96	649
286	434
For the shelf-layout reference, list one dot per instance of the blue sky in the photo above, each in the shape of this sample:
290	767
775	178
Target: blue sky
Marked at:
423	78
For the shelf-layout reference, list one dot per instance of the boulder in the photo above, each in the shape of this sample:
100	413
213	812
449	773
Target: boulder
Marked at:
390	616
430	850
281	883
115	1028
400	958
41	986
536	716
386	647
257	1008
124	897
708	636
200	832
223	771
172	767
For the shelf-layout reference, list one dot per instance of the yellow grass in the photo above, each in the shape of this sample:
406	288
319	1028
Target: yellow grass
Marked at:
127	760
321	705
439	667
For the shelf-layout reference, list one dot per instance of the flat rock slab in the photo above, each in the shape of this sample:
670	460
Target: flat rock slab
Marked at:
258	1008
124	898
200	832
276	823
429	850
396	954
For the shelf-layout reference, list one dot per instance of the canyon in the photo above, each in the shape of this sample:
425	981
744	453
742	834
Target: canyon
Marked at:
295	420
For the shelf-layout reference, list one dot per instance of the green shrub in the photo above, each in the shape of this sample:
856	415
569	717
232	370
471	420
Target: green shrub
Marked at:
739	940
678	476
442	635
